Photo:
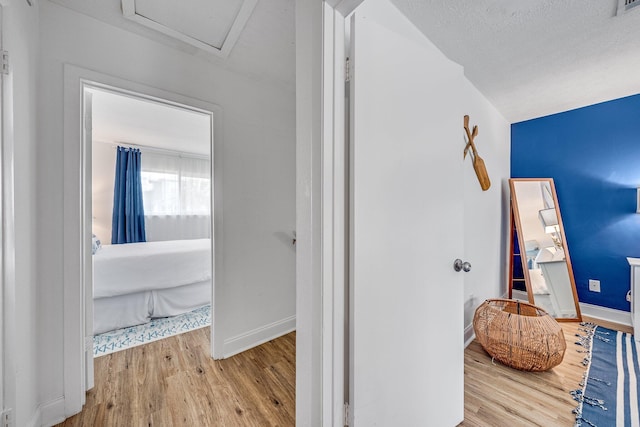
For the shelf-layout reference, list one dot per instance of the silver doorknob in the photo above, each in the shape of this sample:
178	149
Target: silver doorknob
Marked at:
459	265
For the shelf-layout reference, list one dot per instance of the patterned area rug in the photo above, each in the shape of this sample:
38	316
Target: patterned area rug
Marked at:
611	385
157	329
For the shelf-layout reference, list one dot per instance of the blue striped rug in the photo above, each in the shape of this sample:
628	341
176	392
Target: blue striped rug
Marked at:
157	329
611	384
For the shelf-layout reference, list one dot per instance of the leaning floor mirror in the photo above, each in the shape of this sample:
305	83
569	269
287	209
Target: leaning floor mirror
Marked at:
540	267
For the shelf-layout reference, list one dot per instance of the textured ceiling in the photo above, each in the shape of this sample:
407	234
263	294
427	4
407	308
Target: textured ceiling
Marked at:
537	57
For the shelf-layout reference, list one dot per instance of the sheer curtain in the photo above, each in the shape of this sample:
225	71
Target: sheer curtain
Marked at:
176	193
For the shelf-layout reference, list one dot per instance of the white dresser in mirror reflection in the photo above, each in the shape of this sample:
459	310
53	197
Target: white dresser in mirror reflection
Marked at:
635	296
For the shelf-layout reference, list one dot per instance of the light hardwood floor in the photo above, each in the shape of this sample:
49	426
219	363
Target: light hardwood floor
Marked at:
174	382
496	395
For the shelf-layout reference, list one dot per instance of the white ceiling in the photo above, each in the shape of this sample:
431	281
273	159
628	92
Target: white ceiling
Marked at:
536	57
264	50
123	119
529	58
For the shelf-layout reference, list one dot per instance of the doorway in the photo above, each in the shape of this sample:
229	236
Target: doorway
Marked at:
77	236
157	282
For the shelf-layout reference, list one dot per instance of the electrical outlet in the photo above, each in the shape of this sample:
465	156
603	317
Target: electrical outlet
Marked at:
594	285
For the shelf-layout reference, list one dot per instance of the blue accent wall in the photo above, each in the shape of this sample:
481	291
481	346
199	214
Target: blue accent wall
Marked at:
593	155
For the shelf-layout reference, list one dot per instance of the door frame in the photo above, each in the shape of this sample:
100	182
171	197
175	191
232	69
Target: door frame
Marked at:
77	214
321	183
7	237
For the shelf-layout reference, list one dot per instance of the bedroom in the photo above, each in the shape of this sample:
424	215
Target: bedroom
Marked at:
133	284
38	160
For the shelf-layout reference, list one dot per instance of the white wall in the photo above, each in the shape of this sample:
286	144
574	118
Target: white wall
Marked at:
258	174
486	213
21	40
103	176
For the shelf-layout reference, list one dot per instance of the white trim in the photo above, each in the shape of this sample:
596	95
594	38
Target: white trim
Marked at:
469	335
590	310
309	280
75	245
328	347
36	419
320	215
261	335
334	181
605	313
344	7
8	247
128	8
3	293
129	12
48	414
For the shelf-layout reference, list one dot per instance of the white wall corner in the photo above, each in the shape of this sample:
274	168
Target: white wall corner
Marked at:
255	337
48	414
605	313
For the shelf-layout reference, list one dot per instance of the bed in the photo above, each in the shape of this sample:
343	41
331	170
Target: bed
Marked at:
135	282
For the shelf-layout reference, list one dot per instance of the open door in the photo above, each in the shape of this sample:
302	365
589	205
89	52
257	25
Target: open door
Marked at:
406	312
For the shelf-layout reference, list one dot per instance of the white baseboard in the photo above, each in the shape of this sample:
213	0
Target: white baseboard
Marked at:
605	313
469	335
240	343
48	414
36	418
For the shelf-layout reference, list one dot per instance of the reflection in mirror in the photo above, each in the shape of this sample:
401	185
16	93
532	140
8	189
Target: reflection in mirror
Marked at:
540	257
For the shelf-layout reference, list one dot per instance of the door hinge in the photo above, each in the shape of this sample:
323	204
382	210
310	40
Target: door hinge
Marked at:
7	418
347	414
5	61
347	70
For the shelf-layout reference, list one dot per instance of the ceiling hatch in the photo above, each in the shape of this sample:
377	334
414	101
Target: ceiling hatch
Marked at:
211	25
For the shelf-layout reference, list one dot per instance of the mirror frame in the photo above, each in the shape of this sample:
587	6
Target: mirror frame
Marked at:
515	216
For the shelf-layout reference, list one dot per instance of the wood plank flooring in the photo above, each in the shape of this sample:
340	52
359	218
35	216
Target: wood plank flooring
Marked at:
174	382
496	395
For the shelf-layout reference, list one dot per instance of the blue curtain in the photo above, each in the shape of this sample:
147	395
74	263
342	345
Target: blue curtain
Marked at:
128	213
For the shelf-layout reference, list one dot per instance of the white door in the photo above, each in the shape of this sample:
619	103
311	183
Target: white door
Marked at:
406	312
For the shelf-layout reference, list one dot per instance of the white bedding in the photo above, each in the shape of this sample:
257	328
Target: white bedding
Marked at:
136	267
122	311
128	310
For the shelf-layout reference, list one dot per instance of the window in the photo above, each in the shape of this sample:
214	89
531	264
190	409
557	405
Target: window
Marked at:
175	185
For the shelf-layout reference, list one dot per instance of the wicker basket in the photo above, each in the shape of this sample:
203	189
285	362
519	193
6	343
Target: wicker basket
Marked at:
519	334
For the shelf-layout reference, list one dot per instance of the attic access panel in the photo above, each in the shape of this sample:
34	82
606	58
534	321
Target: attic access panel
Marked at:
210	25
